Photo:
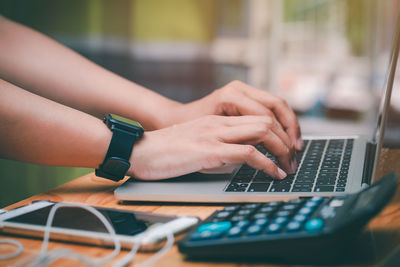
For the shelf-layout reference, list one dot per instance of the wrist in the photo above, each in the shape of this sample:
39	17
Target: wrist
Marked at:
166	115
125	133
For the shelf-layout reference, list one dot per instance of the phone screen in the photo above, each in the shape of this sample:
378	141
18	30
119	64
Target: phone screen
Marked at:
124	222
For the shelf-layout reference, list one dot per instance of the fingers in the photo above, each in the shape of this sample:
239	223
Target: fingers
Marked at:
288	119
237	154
249	119
253	129
280	108
234	104
271	136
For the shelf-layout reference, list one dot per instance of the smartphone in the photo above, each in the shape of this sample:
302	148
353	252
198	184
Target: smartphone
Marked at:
74	224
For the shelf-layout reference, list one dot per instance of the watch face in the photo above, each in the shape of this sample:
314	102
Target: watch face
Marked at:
123	123
116	117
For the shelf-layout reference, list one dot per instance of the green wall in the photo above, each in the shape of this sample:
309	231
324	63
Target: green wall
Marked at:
20	180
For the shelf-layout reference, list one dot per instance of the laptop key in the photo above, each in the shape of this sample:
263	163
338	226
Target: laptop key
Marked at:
304	183
323	188
302	187
258	187
325	182
235	187
280	188
323	157
329	170
241	180
306	173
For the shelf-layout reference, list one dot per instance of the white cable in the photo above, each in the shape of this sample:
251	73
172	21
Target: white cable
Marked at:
154	258
14	254
129	257
45	256
168	245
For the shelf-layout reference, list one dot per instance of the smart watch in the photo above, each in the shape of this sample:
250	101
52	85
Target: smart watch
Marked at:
125	133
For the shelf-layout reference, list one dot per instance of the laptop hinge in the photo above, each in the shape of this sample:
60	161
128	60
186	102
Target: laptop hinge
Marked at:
368	163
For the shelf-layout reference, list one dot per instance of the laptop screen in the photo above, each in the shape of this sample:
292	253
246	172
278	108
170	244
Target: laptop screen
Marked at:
387	90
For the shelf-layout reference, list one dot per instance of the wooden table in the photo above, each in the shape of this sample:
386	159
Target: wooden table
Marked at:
380	238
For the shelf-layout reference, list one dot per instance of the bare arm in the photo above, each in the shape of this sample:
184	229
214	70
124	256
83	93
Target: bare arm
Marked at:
39	130
37	63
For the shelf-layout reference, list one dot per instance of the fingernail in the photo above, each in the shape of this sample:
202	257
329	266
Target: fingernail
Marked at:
300	143
282	174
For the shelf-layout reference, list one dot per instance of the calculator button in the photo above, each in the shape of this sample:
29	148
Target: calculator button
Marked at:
289	207
283	213
293	226
243	223
336	203
273	204
280	220
235	231
296	201
300	218
206	235
254	230
274	228
305	211
214	227
267	209
316	199
261	222
314	225
251	206
311	204
244	212
223	214
237	218
231	208
260	215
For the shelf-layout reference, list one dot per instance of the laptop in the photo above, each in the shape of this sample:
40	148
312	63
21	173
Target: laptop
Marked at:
328	165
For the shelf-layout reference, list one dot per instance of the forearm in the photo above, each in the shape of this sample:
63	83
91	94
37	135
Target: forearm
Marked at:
41	65
38	130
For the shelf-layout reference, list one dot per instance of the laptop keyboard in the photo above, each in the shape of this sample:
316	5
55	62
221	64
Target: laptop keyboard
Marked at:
323	167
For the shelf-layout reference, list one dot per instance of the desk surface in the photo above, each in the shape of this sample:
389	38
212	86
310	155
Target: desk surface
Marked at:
378	241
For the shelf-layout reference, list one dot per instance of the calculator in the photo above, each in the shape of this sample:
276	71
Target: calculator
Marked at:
300	230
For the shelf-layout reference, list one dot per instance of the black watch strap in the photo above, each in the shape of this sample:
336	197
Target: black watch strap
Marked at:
116	162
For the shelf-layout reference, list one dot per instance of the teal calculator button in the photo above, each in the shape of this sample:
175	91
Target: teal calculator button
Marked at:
215	227
205	235
314	225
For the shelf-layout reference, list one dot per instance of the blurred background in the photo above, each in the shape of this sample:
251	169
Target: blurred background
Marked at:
328	58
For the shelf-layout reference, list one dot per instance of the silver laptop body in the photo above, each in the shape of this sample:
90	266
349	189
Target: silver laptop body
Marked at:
218	188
